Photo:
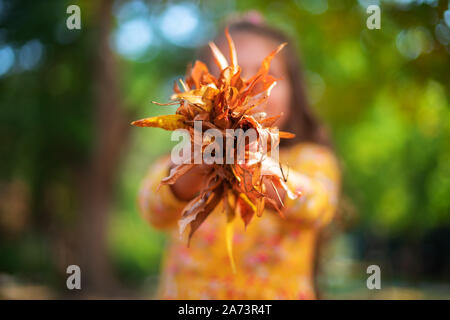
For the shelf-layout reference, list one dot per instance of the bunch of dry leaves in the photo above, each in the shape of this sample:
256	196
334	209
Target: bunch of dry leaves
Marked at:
227	102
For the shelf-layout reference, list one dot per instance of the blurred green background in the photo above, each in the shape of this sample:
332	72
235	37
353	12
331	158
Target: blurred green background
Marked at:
71	165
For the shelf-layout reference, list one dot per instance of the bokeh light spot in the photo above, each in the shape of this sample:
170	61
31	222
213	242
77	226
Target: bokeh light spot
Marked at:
180	24
133	38
6	59
30	54
413	42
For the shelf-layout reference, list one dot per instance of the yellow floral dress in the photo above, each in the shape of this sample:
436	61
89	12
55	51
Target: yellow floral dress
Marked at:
274	256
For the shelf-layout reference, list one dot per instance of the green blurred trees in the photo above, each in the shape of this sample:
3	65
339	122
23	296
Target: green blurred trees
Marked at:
45	131
383	94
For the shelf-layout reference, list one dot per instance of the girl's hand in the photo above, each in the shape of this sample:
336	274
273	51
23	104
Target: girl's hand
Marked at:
189	185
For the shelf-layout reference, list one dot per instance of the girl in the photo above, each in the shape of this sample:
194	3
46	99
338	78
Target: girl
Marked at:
274	256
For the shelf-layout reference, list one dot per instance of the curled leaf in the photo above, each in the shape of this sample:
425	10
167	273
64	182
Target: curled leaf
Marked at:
176	172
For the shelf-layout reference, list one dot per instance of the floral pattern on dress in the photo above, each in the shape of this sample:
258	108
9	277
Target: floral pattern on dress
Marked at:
274	256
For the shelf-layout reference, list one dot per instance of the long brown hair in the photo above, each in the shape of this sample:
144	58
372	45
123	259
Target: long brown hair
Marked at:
302	120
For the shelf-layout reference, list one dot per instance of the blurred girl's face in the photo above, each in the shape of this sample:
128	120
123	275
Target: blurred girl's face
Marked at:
251	51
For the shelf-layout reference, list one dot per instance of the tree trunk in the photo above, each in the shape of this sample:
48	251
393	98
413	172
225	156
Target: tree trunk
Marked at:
110	132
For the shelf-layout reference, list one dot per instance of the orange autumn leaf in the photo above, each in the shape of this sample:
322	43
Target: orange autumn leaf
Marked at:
286	135
168	122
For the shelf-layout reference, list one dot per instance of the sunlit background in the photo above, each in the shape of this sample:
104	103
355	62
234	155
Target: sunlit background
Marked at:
71	164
